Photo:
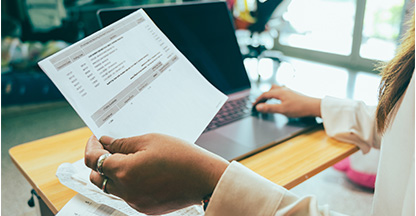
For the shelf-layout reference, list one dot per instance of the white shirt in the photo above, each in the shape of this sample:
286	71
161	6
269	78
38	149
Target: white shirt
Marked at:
240	191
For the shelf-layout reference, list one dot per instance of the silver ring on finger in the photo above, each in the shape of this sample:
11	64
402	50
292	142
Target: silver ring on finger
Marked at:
100	162
104	186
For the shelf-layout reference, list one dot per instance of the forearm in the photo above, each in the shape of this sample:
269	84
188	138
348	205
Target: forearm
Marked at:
314	107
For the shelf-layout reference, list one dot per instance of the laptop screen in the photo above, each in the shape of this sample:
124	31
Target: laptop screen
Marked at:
204	33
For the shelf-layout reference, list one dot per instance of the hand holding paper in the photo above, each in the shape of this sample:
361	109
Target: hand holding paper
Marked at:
155	173
127	80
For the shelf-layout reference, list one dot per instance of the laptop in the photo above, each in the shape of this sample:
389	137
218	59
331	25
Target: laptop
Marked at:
204	33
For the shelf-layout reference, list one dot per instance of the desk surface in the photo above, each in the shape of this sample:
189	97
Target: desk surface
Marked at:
286	164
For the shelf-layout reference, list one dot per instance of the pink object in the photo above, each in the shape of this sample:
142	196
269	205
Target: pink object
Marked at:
360	178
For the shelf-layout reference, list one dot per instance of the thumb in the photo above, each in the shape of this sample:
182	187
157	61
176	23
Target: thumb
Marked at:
106	140
123	145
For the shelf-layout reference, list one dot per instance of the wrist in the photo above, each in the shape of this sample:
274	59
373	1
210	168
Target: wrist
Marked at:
217	171
214	168
315	107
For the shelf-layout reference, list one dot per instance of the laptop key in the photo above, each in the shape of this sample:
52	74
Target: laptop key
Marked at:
231	111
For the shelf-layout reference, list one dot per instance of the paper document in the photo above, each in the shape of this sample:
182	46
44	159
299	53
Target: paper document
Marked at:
128	79
92	201
82	206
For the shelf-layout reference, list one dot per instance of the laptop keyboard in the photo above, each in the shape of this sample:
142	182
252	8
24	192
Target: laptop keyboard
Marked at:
231	111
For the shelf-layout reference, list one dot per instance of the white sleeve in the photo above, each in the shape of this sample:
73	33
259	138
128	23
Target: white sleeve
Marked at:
350	121
241	191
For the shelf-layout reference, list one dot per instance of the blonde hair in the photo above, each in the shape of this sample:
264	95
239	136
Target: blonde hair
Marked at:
395	77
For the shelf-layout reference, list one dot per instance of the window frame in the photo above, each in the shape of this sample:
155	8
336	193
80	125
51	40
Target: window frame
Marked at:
354	60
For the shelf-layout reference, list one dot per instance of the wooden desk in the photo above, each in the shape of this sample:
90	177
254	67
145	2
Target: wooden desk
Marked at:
287	164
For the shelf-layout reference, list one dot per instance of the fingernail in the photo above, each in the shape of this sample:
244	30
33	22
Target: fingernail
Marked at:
259	106
106	140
